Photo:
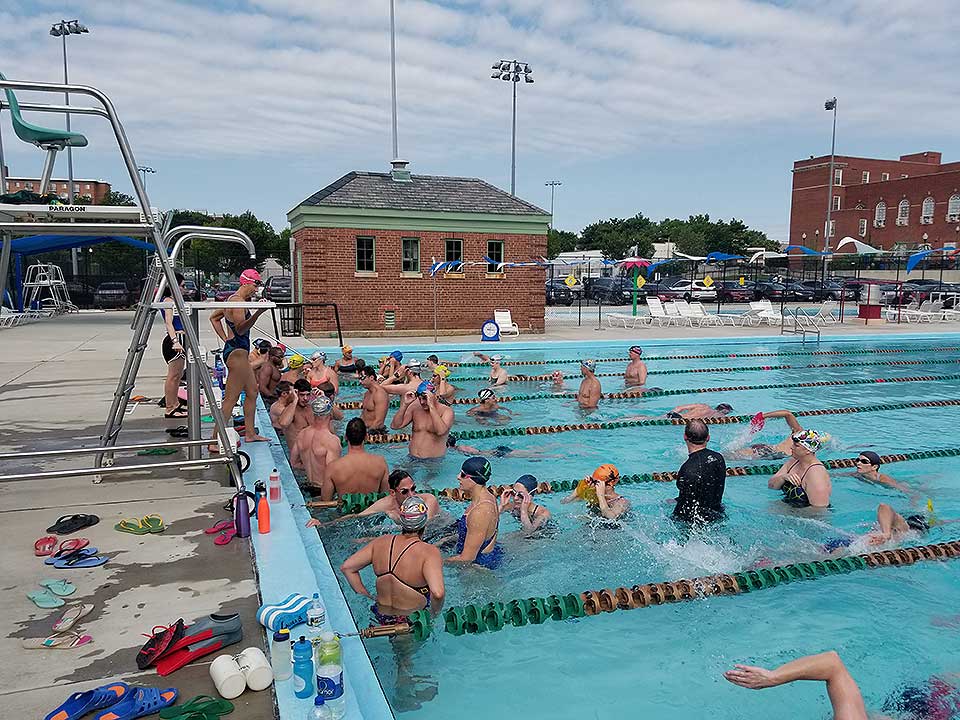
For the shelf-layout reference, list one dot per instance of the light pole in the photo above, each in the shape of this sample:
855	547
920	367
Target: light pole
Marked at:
829	105
61	30
393	80
144	171
553	185
511	71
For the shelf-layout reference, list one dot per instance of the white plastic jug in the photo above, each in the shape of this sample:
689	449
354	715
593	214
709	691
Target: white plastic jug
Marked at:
256	668
227	677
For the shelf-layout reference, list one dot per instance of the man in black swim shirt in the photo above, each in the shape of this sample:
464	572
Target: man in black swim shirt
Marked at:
701	479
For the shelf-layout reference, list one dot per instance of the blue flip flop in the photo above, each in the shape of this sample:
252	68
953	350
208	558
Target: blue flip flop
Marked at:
81	560
140	701
79	704
82	552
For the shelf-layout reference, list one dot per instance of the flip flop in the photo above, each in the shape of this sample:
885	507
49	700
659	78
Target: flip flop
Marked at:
158	451
81	703
207	419
219	527
139	701
67	641
83	551
45	600
132	526
71	617
178	414
226	536
80	560
179	432
44	546
60	588
202	706
71	545
161	638
67	524
153	523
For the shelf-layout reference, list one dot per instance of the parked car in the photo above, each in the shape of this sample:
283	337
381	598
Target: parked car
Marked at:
684	290
225	291
558	293
733	291
908	292
799	292
769	291
279	289
190	291
829	290
611	290
111	294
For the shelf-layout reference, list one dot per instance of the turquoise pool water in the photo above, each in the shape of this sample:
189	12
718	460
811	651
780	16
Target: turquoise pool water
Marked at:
892	626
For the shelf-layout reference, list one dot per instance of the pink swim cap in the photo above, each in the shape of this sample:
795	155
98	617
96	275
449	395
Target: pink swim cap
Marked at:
249	277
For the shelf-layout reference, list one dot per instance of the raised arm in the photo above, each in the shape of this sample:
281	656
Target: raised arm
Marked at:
403	416
286	417
788	416
442	416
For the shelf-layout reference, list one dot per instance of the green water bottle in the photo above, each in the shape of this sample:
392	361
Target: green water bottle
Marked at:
329	651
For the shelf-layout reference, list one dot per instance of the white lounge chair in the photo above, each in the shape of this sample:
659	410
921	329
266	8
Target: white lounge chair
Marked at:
825	313
506	323
658	314
715	319
628	322
927	312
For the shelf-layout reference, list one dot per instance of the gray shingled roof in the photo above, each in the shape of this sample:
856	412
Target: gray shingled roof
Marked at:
379	191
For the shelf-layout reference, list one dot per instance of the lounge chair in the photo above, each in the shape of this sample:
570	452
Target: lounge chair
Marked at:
659	315
506	323
628	322
826	312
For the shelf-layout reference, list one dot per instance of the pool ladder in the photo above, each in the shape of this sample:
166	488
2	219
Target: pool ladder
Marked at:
801	324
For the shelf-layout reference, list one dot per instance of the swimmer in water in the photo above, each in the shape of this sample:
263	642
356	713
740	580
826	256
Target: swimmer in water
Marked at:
763	451
636	373
320	373
518	501
346	363
803	479
430	419
699	411
597	490
500	451
294	369
557	380
498	376
391	364
402	486
445	390
404	380
827	667
701	479
478	527
489	409
588	396
868	468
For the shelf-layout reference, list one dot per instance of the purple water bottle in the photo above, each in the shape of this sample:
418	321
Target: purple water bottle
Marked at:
241	514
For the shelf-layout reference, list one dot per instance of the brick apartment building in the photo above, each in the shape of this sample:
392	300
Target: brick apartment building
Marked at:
96	190
890	204
367	241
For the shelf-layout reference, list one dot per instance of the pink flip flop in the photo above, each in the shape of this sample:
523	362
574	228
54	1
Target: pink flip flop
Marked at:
219	527
226	536
44	546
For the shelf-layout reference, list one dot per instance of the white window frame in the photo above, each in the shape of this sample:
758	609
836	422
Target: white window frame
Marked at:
832	228
903	212
836	203
838	176
863	227
884	177
865	177
927	210
880	215
953	208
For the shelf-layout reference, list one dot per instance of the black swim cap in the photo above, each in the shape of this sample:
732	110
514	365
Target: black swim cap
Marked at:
451	441
918	523
724	408
872	457
477	469
529	482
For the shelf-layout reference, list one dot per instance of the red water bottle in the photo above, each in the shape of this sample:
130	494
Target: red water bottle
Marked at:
274	486
263	515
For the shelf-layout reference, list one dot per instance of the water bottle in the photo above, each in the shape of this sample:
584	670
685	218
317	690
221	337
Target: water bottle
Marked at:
263	515
219	371
330	688
280	657
241	514
329	650
274	486
316	615
302	668
320	710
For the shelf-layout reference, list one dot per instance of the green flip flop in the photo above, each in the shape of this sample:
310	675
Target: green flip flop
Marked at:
134	526
204	706
45	600
60	588
153	523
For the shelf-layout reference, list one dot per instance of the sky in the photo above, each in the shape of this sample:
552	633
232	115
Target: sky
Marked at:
666	108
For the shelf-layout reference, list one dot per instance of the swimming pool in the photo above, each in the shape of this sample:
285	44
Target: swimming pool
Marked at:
886	623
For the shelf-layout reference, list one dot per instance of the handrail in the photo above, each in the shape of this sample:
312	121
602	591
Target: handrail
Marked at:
194	232
63	109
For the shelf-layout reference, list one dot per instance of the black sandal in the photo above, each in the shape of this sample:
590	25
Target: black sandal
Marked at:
178	413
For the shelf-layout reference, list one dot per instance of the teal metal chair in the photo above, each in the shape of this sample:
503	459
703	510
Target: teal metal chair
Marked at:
51	140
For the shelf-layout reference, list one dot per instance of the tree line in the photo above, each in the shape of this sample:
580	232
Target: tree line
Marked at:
698	235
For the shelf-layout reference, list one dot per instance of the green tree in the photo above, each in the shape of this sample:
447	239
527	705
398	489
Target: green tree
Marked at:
616	237
560	241
214	256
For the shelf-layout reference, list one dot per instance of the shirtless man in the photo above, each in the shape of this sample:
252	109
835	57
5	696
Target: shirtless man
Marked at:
440	374
294	369
401	486
284	390
358	471
405	379
295	414
376	402
498	376
636	373
431	422
699	411
588	396
316	447
259	354
336	412
489	408
269	374
319	373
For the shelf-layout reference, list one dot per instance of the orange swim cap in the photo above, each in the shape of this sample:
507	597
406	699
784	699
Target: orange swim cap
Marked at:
607	473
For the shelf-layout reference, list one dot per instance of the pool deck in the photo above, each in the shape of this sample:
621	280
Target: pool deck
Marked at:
56	381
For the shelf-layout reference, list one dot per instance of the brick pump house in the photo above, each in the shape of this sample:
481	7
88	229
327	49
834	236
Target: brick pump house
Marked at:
367	242
900	204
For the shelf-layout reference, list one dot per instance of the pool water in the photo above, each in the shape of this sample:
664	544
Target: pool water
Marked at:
894	627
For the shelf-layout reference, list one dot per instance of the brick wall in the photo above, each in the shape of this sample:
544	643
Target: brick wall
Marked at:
464	302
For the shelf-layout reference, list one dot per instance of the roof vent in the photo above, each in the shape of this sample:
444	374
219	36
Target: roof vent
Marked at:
399	173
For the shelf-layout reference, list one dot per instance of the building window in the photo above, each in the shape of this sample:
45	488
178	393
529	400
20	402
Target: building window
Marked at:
863	227
926	211
410	262
495	254
365	255
953	208
884	176
453	250
87	186
903	212
29	186
865	177
880	215
832	228
836	202
838	177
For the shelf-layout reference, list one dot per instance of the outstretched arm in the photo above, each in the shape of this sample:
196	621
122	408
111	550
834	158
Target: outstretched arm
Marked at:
788	416
844	694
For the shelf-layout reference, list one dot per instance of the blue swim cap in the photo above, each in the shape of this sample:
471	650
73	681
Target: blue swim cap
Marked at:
529	482
397	354
477	469
425	387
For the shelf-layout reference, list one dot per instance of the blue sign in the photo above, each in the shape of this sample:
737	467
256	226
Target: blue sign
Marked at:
490	331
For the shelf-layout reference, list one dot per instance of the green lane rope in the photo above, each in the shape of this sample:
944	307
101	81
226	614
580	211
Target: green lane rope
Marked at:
476	618
615	424
635	394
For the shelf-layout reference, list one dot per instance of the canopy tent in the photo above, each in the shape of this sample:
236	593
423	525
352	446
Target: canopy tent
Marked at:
764	255
37	244
722	257
860	248
805	250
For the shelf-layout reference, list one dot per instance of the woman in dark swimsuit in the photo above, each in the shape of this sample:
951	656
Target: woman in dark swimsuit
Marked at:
803	479
478	526
518	502
236	355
